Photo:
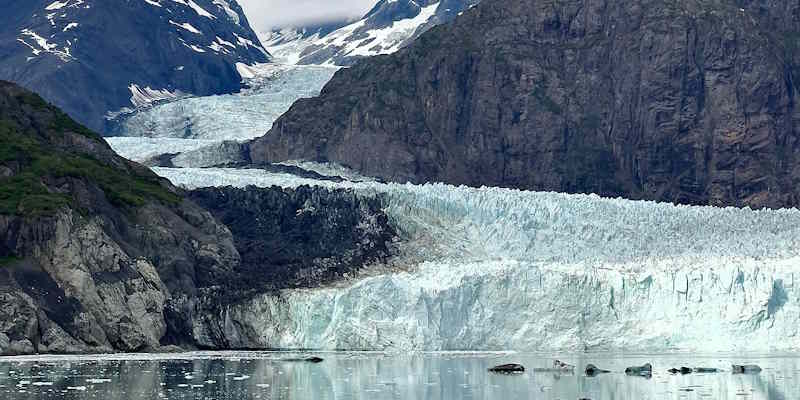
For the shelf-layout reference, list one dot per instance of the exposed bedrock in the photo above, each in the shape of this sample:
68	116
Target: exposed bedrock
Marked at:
691	102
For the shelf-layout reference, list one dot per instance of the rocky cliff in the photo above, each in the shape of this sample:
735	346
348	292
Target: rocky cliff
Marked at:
682	101
92	57
99	254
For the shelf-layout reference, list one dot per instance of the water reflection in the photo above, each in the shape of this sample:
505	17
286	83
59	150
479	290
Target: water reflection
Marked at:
377	376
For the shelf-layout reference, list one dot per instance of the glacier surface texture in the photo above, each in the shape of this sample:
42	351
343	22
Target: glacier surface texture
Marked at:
189	124
500	269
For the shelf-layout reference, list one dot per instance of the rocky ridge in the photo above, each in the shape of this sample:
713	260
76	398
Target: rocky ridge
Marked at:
389	26
690	102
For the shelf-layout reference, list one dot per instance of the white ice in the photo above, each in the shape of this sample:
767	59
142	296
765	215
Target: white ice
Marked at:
500	269
140	149
239	116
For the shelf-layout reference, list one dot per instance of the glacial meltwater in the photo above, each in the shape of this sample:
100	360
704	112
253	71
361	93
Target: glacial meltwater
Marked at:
376	376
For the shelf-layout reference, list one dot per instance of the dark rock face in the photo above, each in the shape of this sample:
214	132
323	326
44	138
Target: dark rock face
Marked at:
299	237
98	254
592	370
288	238
508	369
85	56
688	102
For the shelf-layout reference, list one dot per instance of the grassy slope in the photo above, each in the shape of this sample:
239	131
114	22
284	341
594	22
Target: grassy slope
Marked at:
39	161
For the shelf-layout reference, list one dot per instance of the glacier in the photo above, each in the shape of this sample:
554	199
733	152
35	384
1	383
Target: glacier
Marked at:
501	269
141	149
199	127
239	116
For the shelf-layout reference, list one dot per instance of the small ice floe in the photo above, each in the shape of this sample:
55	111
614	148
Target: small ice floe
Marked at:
42	383
262	385
96	381
210	382
241	378
77	388
183	385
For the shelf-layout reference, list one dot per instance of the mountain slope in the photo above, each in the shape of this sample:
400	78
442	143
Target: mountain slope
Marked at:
98	254
689	102
388	27
93	57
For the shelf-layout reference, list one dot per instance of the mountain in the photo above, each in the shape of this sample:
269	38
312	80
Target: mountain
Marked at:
289	34
388	27
98	254
92	58
689	102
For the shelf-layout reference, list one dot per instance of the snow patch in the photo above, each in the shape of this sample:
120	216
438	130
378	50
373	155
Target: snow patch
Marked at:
234	16
143	97
56	5
187	26
199	10
377	41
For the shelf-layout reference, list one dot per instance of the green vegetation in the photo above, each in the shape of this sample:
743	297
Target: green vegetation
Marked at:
61	122
8	260
40	162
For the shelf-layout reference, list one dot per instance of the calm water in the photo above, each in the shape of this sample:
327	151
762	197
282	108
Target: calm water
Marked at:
373	376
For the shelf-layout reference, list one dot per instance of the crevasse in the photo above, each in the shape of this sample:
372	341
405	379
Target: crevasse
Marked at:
500	269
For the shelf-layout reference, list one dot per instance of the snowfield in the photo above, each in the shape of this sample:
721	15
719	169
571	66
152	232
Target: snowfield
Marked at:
500	269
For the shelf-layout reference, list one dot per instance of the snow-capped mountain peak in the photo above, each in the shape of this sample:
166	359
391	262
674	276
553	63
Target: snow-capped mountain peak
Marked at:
91	57
389	26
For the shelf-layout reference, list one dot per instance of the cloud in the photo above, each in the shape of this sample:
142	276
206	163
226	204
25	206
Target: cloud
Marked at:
266	14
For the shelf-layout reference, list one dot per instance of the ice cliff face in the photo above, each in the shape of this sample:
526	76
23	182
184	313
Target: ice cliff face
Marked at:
491	269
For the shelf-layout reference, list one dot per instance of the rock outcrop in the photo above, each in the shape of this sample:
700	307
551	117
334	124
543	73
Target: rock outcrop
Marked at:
683	101
99	254
288	238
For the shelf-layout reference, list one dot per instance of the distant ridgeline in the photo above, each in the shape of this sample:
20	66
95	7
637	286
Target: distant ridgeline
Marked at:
94	58
389	26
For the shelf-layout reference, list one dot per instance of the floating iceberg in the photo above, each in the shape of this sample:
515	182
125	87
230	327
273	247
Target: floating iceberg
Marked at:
501	269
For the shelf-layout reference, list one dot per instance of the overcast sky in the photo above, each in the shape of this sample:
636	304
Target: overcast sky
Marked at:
266	14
